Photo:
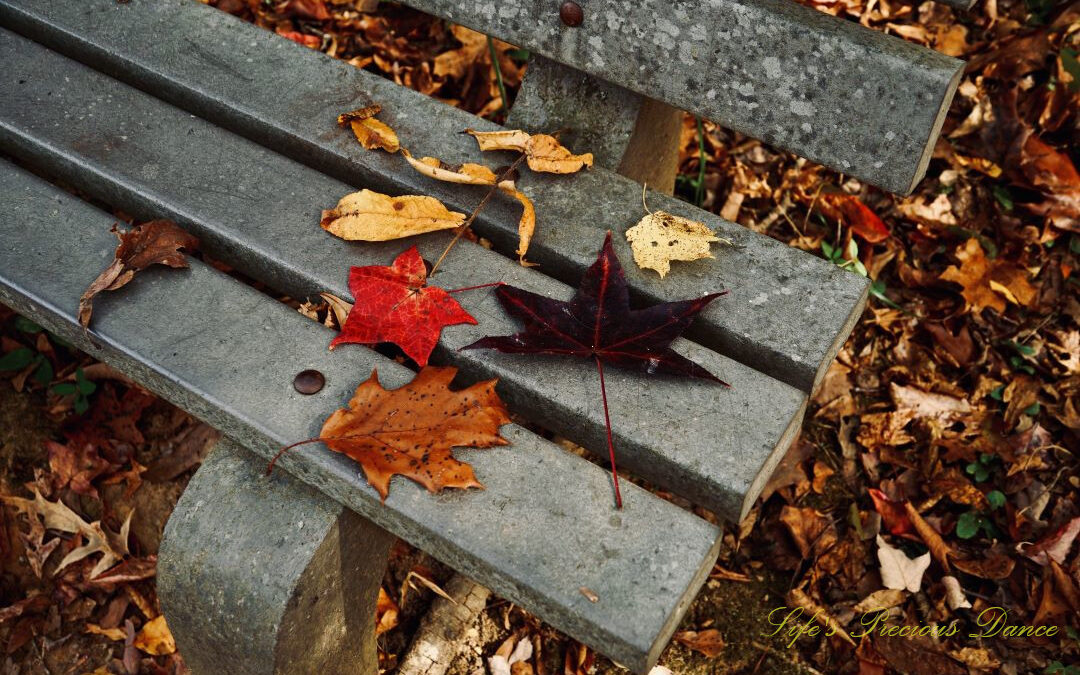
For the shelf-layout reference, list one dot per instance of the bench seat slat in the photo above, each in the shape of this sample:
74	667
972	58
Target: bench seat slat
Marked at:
257	210
788	314
543	528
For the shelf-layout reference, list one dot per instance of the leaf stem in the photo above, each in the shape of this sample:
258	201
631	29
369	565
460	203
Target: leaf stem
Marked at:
610	443
473	288
270	466
504	106
472	216
699	189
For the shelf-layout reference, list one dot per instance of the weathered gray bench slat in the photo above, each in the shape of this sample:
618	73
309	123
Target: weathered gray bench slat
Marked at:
543	528
257	210
788	313
862	102
833	91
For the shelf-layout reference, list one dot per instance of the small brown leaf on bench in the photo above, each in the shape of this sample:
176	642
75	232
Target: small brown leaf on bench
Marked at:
371	216
156	242
412	430
372	133
543	152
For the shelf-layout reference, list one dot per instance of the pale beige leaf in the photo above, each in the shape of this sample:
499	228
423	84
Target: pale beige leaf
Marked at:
954	594
661	237
375	135
899	571
527	223
467	174
544	153
339	307
371	216
500	140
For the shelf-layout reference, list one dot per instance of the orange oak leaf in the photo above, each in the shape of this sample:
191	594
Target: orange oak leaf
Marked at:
412	430
988	283
157	242
394	304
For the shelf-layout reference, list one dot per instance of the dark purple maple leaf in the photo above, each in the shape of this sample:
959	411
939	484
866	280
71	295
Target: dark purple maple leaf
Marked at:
599	324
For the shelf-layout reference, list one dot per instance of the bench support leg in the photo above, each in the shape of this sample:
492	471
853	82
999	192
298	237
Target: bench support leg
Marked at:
266	575
626	132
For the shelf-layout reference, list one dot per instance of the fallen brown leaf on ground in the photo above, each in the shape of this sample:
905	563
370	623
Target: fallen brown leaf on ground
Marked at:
157	242
708	642
988	283
58	516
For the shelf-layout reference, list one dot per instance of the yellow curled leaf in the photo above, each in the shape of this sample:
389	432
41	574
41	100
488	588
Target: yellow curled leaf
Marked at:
374	135
500	140
661	237
371	216
544	153
468	174
527	223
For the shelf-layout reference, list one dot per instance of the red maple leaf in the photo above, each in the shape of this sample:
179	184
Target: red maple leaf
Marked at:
599	324
394	304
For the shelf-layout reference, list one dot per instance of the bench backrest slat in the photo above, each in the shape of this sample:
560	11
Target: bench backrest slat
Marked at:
865	103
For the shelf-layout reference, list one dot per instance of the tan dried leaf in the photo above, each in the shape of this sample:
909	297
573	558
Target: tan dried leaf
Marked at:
542	152
988	283
886	598
709	642
371	133
500	140
375	135
954	594
661	237
371	216
798	598
57	516
527	222
467	174
899	571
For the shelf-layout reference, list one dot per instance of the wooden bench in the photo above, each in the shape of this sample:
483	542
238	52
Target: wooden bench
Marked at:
168	108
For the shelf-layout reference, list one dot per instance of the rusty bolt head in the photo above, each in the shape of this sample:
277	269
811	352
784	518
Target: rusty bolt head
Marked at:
309	381
571	14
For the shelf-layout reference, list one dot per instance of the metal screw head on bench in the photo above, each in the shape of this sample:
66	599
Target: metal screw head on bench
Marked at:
571	14
309	381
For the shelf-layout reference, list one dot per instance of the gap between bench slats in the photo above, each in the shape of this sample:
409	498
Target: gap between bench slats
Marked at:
258	210
788	313
543	528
